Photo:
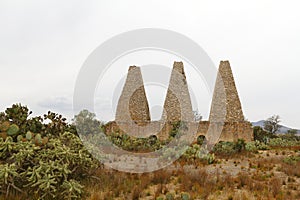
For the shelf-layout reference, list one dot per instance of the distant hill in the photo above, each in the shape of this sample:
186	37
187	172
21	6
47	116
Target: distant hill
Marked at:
282	130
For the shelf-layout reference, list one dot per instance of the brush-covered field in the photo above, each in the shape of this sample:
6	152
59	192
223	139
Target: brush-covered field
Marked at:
42	157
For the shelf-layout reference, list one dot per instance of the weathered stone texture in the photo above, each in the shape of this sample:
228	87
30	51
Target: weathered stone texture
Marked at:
226	115
226	111
178	106
225	98
230	131
133	104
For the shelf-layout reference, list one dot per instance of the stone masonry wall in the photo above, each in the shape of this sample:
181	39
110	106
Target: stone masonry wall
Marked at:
226	110
225	96
178	106
226	115
231	131
133	104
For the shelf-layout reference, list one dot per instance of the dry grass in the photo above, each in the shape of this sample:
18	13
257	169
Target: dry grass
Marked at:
259	177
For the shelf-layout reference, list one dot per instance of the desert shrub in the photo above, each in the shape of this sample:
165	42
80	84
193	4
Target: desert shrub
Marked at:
86	123
228	148
251	146
197	153
177	127
18	116
205	156
262	135
292	160
256	145
239	145
45	171
280	142
128	143
192	152
224	148
185	196
39	157
261	146
170	196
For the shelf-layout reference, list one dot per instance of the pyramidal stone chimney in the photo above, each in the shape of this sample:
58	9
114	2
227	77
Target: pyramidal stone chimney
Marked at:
178	106
226	105
133	104
226	115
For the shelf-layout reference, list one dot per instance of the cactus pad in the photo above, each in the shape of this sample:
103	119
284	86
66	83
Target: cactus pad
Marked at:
12	130
29	135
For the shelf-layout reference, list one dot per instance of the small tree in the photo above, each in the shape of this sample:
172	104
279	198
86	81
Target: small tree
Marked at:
86	123
262	135
272	124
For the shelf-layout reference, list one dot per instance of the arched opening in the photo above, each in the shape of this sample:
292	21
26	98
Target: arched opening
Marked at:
201	139
152	139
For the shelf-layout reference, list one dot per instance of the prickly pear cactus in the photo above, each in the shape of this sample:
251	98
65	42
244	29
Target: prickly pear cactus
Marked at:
29	135
13	130
210	158
42	168
169	196
38	139
19	138
185	196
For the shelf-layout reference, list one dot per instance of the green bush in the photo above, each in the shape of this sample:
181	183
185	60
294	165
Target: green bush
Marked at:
262	135
169	196
13	130
45	171
256	145
279	142
42	160
128	143
196	152
250	146
239	145
226	148
185	196
292	160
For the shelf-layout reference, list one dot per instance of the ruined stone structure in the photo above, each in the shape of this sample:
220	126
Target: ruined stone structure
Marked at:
133	103
225	98
226	115
178	106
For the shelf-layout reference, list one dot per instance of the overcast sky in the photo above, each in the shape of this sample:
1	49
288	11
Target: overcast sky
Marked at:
43	44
